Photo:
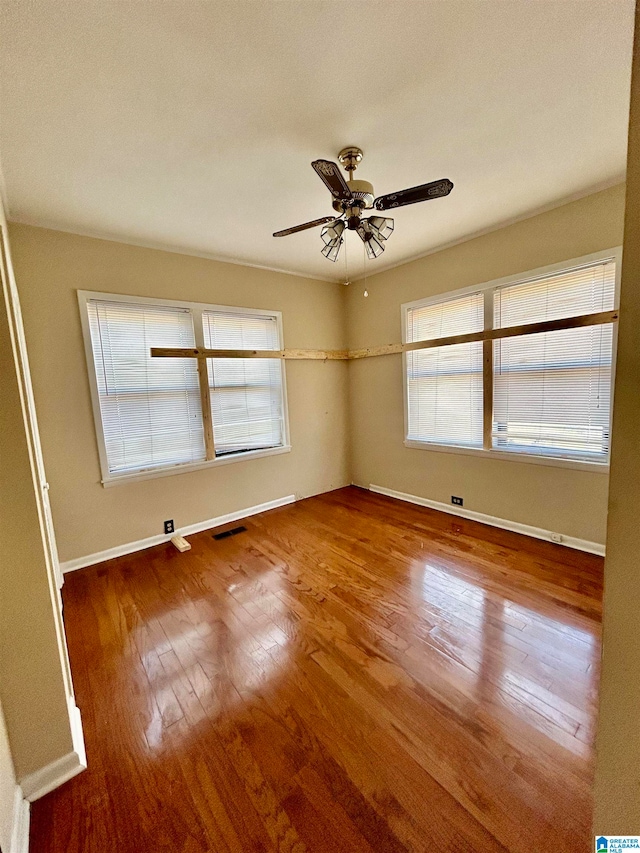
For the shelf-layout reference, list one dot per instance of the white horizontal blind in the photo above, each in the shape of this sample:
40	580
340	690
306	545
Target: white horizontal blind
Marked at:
246	393
150	407
552	391
444	384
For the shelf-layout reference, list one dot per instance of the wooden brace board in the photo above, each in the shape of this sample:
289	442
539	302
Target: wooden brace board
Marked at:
392	349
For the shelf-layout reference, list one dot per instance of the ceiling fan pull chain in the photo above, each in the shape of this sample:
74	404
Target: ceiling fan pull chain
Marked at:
346	266
364	262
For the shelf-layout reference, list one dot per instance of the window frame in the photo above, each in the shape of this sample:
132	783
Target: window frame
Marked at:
421	303
488	289
108	478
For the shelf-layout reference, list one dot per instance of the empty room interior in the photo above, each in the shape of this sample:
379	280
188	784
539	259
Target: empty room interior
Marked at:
320	471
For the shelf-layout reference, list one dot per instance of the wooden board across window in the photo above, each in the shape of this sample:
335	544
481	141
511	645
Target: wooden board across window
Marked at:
580	321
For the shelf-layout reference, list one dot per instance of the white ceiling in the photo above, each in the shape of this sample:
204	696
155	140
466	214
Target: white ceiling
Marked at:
192	125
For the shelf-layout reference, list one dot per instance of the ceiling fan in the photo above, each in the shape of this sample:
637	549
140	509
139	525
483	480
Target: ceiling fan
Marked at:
352	197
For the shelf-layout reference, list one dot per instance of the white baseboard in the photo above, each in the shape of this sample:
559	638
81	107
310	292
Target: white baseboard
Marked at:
77	734
493	521
150	541
20	824
45	780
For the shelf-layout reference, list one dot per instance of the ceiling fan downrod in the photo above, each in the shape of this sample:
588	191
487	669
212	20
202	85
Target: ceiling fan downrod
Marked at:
361	191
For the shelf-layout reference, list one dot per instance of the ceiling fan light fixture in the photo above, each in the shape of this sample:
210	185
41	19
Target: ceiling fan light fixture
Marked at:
381	226
332	249
332	232
370	236
374	248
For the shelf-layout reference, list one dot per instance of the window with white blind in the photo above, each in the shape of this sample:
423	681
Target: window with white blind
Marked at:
150	408
552	391
246	393
444	384
549	394
148	411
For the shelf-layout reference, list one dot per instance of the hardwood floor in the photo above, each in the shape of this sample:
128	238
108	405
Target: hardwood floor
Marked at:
350	674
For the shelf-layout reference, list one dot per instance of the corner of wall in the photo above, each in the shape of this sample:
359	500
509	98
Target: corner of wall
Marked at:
36	693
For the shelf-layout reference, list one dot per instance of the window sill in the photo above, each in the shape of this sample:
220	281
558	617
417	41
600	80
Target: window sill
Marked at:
528	458
152	473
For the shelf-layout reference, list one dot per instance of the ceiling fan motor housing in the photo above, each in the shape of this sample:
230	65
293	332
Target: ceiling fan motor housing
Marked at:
362	192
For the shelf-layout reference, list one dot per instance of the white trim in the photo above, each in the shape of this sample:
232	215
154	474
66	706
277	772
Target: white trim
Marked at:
150	541
507	456
152	473
614	254
163	247
488	288
493	521
41	488
195	310
19	842
441	247
87	295
77	735
43	781
504	223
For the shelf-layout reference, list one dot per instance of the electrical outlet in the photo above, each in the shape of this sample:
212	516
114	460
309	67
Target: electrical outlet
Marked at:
168	526
456	501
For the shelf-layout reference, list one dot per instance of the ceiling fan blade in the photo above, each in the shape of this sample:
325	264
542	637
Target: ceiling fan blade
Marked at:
296	228
435	189
331	175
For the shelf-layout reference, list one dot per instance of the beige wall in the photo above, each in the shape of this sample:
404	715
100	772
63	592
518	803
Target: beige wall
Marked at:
33	676
50	266
323	397
570	502
617	792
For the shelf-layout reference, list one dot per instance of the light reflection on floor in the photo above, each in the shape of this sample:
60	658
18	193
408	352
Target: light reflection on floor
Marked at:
516	652
228	648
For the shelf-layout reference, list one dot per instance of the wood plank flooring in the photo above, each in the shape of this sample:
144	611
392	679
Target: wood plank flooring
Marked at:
352	674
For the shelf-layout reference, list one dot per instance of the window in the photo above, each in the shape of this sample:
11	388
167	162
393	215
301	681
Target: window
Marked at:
148	411
150	407
549	394
444	384
246	393
552	391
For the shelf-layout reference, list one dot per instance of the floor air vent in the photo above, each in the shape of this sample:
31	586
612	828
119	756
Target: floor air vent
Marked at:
231	532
